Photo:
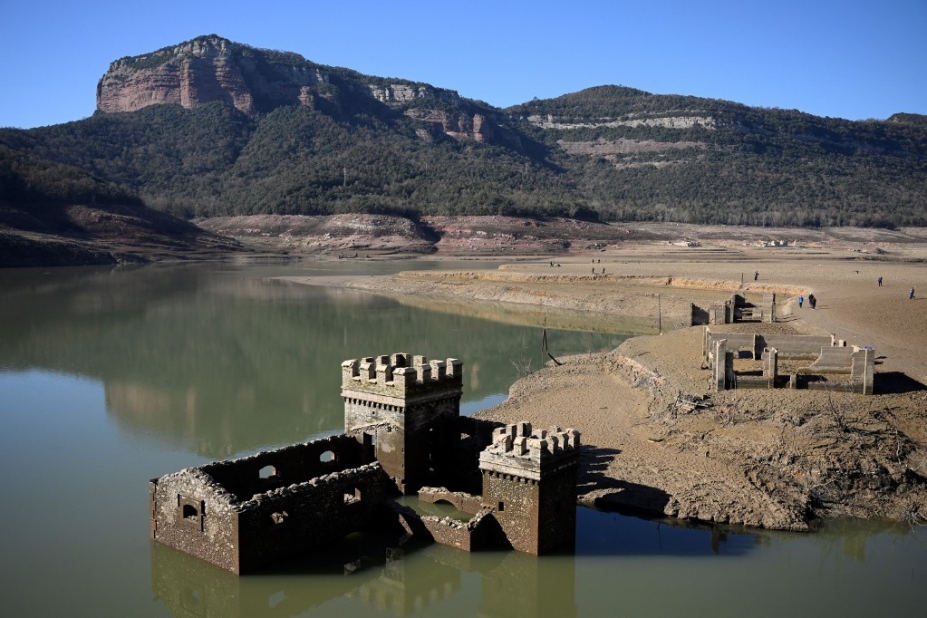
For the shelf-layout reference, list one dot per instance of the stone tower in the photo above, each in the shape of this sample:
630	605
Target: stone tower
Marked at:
530	481
404	409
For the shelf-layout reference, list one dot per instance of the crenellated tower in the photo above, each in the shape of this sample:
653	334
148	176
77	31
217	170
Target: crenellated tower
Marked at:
404	408
529	478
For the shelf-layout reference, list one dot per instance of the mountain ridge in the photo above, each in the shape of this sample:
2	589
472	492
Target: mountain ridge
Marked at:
209	127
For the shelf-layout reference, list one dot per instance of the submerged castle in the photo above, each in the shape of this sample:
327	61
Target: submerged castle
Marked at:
403	436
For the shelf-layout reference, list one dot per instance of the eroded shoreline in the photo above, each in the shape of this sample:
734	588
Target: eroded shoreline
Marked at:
775	459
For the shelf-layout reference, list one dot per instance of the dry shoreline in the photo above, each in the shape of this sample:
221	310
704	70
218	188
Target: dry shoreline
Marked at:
776	459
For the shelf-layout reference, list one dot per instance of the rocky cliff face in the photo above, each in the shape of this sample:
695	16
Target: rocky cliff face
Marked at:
210	69
455	125
205	70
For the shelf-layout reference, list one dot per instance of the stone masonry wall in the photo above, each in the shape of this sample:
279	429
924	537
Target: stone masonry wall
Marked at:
529	478
222	512
294	519
516	502
193	513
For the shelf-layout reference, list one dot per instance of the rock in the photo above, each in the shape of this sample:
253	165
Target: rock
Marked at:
205	70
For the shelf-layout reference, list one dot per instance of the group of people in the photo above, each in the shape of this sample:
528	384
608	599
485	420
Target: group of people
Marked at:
812	301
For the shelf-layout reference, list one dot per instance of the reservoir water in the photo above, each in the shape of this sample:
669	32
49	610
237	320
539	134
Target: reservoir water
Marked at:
112	376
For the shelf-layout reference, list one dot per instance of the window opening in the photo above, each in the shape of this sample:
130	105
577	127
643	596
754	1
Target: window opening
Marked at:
352	495
279	518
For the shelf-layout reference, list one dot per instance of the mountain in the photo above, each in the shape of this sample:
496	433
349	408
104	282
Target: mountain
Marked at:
54	214
210	127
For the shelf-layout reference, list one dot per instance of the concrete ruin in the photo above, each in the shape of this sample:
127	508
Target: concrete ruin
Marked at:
738	309
402	430
834	364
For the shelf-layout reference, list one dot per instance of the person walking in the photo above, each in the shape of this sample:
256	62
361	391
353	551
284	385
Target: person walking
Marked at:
911	294
801	300
756	275
880	281
812	301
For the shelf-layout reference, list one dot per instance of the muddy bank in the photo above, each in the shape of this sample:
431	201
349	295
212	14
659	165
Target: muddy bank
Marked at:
774	459
626	304
777	459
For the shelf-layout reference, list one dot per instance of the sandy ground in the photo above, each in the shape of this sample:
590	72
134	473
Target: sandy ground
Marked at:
778	459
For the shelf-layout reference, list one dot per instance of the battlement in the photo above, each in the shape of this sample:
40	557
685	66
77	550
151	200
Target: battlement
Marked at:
400	374
521	452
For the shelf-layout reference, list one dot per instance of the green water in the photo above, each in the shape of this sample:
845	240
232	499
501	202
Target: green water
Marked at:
109	377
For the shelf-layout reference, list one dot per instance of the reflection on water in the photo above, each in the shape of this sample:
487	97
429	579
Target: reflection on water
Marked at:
647	567
368	574
226	363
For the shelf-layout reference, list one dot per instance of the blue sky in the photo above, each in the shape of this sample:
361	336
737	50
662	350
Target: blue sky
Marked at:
852	59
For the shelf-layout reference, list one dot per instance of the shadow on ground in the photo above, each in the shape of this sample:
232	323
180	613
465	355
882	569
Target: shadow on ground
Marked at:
616	494
896	383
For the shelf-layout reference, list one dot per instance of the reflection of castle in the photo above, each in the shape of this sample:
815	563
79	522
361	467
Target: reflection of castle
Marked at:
402	430
489	583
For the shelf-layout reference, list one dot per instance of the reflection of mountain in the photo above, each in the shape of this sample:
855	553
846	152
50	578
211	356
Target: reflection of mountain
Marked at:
223	362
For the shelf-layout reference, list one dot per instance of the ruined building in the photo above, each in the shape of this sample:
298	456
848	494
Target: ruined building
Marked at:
777	361
403	435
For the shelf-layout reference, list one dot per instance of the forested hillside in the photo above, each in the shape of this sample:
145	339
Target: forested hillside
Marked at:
55	214
335	141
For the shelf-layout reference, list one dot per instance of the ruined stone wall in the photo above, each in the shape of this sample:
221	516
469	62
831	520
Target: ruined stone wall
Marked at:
557	509
798	346
269	470
462	501
231	515
517	508
291	520
193	513
479	533
788	346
